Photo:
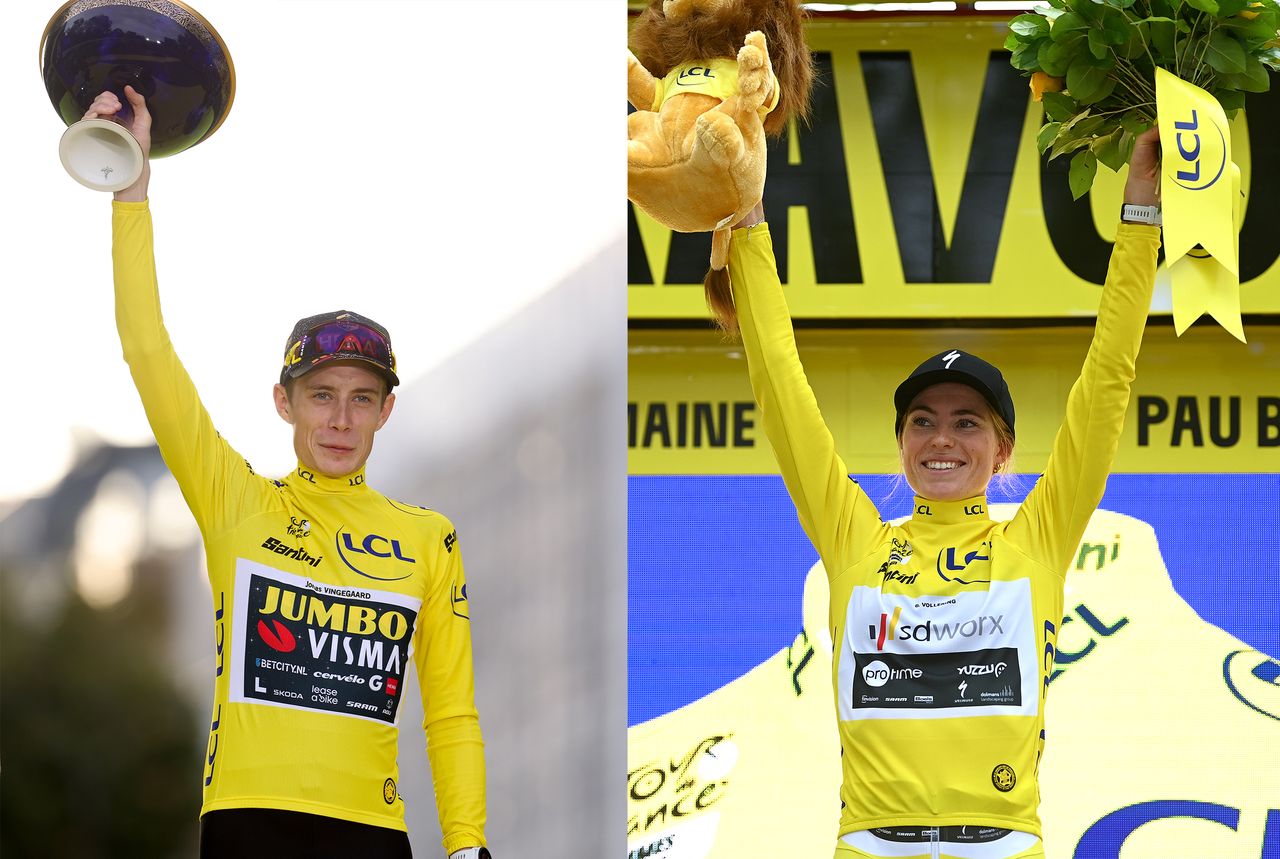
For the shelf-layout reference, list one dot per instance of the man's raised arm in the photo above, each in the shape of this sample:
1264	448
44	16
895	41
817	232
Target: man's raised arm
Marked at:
212	476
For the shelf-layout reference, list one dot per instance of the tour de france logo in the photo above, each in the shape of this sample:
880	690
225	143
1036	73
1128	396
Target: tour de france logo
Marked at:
1003	778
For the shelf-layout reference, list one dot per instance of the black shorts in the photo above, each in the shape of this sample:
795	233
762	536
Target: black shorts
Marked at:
238	833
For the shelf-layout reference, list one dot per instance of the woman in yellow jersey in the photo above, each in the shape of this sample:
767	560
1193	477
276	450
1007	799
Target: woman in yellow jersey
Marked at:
944	627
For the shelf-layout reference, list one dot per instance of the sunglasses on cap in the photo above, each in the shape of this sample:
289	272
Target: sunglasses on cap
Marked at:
342	340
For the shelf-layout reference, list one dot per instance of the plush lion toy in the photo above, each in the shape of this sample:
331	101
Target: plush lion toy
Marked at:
709	79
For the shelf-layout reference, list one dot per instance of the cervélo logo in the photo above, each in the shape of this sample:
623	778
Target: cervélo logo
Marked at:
352	548
889	630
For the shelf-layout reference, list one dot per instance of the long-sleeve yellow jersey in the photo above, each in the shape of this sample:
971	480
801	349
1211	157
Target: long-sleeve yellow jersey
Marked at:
943	626
324	593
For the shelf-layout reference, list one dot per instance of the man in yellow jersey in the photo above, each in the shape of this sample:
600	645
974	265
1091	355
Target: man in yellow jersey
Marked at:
323	590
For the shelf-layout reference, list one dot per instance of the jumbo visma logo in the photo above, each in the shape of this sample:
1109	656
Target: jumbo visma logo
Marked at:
343	633
315	612
355	551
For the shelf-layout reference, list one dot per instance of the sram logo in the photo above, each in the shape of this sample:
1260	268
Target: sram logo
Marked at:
889	630
356	551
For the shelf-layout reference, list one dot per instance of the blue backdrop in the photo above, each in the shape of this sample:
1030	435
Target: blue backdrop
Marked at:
716	567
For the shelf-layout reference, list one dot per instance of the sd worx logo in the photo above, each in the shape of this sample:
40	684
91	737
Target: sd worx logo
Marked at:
931	630
355	550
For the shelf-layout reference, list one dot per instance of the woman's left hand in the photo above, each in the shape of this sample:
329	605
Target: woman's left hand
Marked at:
1143	186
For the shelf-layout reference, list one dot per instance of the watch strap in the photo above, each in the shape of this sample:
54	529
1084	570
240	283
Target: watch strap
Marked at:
1134	214
471	853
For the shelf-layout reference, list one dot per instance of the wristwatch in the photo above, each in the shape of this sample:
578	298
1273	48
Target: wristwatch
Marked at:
1131	214
471	853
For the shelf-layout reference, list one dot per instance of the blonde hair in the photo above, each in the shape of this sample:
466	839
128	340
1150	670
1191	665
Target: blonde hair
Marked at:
1004	441
1007	479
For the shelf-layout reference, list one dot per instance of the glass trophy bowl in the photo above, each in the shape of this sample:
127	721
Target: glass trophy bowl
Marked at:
165	50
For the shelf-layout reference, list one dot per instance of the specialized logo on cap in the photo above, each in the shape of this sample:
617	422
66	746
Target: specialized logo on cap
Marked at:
950	358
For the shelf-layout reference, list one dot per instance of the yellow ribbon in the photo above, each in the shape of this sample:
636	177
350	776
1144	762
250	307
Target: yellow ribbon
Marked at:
1200	202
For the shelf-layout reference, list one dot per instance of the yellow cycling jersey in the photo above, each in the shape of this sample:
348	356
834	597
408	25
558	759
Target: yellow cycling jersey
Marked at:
324	593
716	78
944	626
764	747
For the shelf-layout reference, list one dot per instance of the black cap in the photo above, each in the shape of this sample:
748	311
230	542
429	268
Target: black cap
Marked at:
956	366
338	336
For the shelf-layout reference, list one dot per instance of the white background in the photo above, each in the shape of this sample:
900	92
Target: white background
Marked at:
433	164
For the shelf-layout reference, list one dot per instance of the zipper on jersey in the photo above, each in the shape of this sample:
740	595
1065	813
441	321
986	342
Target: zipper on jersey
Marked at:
935	843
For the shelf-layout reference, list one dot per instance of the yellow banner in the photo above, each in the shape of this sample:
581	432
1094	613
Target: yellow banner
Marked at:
916	192
1200	193
1195	407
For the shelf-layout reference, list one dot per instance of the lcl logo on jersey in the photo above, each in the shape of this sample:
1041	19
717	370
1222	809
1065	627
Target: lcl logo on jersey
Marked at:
951	562
359	550
461	607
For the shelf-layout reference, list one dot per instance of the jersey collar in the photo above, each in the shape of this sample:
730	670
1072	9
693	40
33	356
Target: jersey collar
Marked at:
307	479
948	512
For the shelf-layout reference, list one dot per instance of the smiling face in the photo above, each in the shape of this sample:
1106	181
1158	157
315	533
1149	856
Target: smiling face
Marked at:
949	444
335	410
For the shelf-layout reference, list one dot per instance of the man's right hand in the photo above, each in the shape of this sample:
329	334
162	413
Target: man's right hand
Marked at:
106	106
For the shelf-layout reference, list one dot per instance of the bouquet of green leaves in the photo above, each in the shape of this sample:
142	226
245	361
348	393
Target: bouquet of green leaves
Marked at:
1092	63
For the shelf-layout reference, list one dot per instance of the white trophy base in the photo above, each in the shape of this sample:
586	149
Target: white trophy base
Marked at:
101	154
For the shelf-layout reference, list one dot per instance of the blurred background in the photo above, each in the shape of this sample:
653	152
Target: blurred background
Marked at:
398	159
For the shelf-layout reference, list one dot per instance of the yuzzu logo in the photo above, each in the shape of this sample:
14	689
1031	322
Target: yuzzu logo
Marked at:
355	551
1203	151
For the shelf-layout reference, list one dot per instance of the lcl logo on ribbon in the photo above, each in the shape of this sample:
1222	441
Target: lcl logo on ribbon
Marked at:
1201	215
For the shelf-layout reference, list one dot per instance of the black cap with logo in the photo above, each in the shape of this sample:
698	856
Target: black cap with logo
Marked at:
338	336
956	366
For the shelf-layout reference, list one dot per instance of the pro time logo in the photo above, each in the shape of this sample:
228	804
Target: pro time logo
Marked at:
888	629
